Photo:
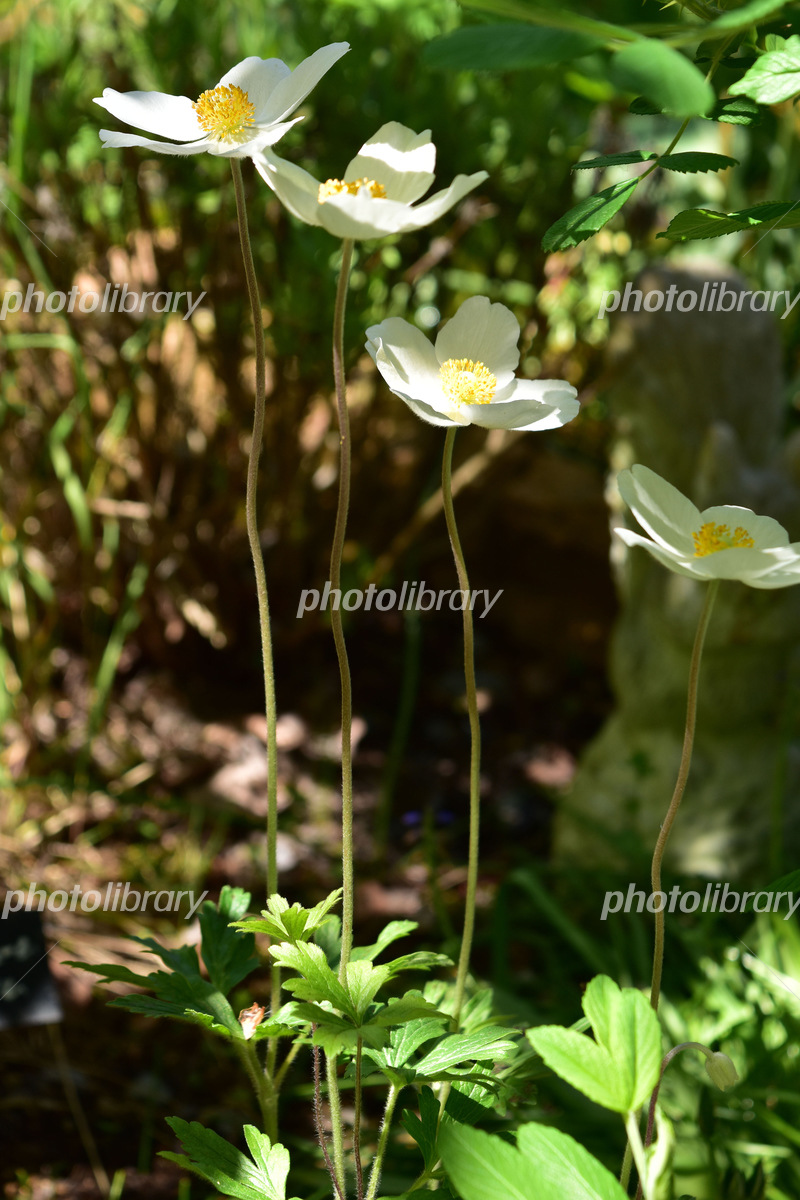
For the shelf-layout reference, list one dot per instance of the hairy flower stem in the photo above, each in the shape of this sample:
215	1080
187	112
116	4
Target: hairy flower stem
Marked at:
357	1102
383	1140
335	1105
251	515
315	1053
651	1112
474	727
336	616
680	785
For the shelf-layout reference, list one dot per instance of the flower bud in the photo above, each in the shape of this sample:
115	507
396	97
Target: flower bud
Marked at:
721	1070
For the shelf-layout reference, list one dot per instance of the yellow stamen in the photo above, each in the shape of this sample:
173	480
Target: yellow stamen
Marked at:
712	538
467	382
339	187
226	113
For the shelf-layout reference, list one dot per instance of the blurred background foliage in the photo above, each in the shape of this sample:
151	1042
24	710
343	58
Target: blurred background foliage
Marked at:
129	659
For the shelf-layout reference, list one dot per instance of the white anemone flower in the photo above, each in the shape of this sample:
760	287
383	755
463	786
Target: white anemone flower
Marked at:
722	542
467	376
378	193
245	112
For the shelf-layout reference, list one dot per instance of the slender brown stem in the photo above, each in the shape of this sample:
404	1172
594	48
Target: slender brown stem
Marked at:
680	784
315	1054
251	516
474	727
336	615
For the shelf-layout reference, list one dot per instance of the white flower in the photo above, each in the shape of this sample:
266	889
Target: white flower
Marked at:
722	542
377	195
467	376
245	112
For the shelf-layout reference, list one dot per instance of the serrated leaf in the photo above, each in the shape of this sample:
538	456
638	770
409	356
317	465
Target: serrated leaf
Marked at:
406	1009
510	46
231	1172
693	161
406	1040
425	1127
419	960
487	1045
696	223
613	160
391	933
774	77
363	981
664	76
584	220
735	110
292	924
229	956
317	981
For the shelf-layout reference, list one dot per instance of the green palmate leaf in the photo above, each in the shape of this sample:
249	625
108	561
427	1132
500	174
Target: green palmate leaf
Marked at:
613	160
621	1067
425	1127
563	1168
695	223
363	982
420	960
773	77
317	981
692	161
228	955
285	923
664	76
584	220
231	1172
494	1044
556	17
742	17
508	47
407	1039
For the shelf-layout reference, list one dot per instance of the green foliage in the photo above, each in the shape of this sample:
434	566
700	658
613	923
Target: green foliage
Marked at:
545	1165
511	46
706	223
664	76
586	218
231	1172
773	77
620	1068
182	992
285	923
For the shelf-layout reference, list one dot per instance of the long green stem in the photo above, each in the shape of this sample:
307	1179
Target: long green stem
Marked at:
474	728
635	1142
383	1141
357	1102
336	615
251	516
680	785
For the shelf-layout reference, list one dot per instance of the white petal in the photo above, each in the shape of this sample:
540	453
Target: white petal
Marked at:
294	187
668	558
660	508
406	359
295	87
110	138
259	77
363	216
403	161
485	332
425	412
263	138
765	531
430	210
738	562
557	400
784	576
170	116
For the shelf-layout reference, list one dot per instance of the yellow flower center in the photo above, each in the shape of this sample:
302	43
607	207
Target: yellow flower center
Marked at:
226	113
341	187
712	538
467	382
